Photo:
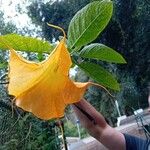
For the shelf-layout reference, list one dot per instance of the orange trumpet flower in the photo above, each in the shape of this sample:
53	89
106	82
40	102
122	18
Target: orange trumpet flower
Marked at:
44	88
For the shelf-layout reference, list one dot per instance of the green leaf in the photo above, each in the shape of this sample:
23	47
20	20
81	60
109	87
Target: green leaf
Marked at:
101	52
88	23
100	75
23	43
3	65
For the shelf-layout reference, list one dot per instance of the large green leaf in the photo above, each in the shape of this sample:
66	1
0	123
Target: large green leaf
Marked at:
100	75
23	43
101	52
88	23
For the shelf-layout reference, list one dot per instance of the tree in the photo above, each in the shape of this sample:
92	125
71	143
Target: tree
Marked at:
59	13
133	19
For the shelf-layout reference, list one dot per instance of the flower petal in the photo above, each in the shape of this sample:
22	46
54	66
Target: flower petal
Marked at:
44	88
47	103
21	74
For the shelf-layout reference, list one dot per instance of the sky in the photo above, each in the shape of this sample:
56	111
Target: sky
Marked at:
21	20
10	13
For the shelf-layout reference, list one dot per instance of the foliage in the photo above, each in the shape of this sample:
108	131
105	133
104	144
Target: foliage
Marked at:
101	52
23	43
23	131
129	98
91	20
133	17
99	74
72	131
88	23
6	28
57	12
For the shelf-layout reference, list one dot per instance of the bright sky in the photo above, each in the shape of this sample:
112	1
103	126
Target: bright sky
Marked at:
9	7
10	13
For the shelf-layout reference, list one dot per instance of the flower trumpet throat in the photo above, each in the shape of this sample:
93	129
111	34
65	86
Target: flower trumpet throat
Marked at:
44	88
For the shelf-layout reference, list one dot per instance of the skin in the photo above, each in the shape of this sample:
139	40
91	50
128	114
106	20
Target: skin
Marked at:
100	130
